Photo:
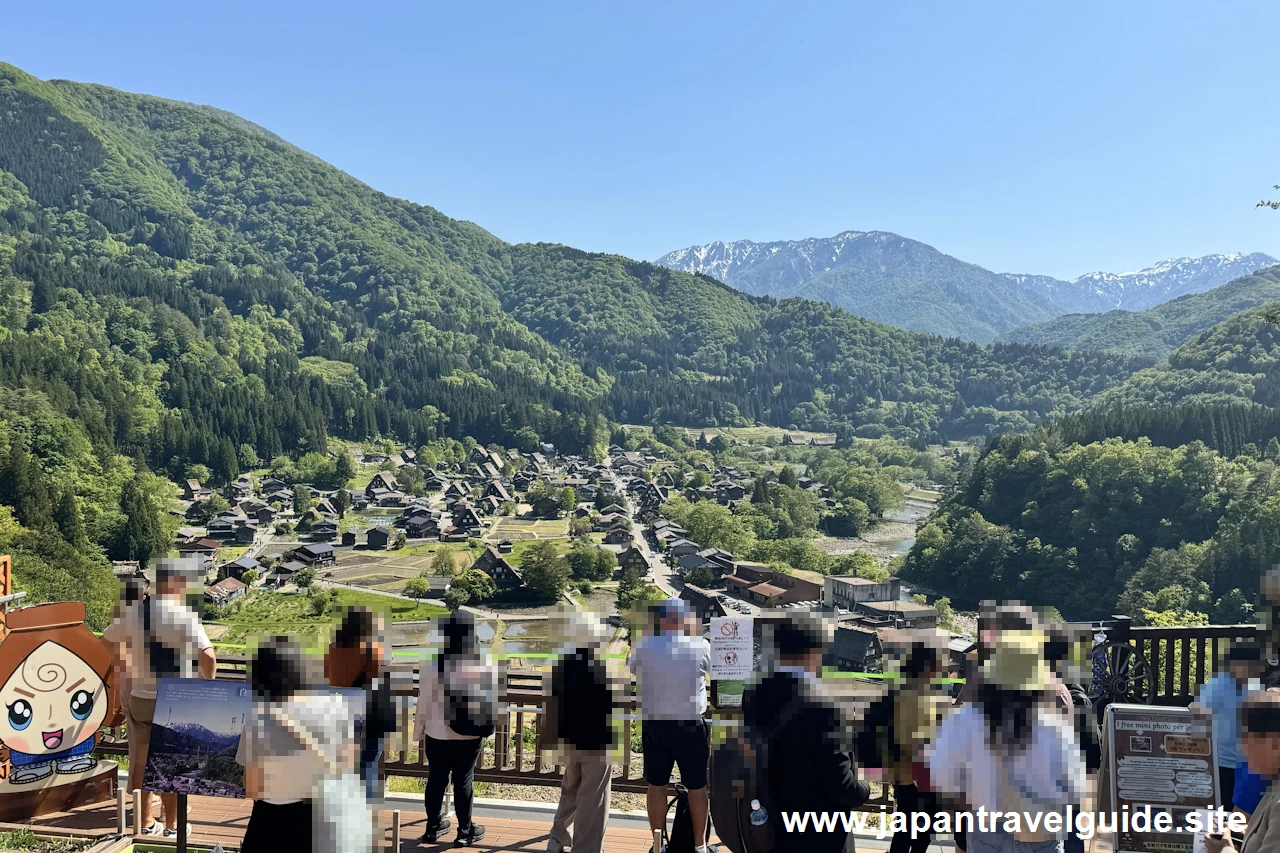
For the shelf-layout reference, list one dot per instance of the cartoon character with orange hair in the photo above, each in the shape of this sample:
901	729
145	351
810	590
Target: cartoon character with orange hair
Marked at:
55	694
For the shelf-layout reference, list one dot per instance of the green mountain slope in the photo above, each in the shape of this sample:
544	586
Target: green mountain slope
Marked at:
1154	333
1236	361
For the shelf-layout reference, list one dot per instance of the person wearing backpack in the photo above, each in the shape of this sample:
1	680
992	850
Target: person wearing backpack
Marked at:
810	766
457	708
158	637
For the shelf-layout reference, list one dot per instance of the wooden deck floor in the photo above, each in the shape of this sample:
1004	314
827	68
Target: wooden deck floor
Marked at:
223	821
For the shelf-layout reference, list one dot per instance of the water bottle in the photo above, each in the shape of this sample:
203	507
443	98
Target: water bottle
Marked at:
758	814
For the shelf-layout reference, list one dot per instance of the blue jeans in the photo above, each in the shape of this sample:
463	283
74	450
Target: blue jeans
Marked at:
370	755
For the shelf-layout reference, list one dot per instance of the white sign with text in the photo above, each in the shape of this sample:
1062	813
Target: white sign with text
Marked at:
731	647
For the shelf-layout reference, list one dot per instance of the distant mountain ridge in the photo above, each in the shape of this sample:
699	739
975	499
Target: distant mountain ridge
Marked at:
1158	331
907	283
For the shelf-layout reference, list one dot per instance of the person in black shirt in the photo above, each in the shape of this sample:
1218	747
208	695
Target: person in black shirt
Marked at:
810	755
580	714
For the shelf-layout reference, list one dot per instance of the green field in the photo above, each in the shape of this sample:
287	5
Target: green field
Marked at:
518	529
265	612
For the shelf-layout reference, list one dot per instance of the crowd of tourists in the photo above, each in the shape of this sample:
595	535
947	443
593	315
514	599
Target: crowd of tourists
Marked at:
1012	739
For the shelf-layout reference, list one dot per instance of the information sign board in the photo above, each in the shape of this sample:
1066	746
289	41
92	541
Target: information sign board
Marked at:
1163	759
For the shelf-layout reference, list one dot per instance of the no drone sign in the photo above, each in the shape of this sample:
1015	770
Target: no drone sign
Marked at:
731	647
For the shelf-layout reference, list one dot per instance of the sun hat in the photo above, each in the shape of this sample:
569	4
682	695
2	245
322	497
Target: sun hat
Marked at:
1017	662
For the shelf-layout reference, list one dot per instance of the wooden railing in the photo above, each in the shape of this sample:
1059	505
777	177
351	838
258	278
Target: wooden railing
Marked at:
514	754
1182	659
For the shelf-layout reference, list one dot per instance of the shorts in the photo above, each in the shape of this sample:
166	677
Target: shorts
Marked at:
676	742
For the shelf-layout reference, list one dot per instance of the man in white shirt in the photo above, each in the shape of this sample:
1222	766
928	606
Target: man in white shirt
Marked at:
671	671
158	637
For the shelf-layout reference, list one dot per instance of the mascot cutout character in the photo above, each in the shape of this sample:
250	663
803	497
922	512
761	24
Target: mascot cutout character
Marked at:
55	693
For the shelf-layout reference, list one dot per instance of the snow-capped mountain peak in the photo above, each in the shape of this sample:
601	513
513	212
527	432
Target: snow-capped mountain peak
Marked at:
792	267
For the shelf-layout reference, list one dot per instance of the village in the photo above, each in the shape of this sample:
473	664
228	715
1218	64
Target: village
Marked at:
261	535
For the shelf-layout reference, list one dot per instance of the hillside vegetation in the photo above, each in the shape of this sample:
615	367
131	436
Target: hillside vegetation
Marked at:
1161	500
1180	534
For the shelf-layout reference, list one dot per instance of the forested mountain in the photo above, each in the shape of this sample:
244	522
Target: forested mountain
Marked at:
179	286
1174	535
1161	499
1236	361
909	284
1154	333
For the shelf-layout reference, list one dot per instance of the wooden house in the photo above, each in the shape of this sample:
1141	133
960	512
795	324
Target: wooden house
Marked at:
504	575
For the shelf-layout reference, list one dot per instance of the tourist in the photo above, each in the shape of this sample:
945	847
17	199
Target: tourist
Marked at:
1222	696
811	764
1010	732
917	709
357	657
457	701
580	720
1260	745
292	740
158	637
671	670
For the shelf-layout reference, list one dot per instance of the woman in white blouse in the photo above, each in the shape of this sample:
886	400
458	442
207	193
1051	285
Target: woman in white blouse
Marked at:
1009	751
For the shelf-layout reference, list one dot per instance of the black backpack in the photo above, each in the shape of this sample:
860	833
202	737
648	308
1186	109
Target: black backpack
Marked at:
875	745
380	707
681	838
471	709
165	662
741	781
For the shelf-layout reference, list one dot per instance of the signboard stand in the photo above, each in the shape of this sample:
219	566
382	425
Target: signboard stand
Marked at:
182	823
1163	760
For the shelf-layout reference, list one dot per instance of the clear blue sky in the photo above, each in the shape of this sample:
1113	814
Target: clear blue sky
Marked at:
1027	137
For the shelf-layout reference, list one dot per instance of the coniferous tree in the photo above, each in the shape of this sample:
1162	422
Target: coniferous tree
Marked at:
142	534
344	468
760	493
66	515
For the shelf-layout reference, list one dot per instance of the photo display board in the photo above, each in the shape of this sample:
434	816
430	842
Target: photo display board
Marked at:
195	735
1164	758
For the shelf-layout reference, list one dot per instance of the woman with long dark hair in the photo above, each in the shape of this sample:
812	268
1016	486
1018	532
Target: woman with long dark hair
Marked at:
457	701
1008	750
291	741
357	658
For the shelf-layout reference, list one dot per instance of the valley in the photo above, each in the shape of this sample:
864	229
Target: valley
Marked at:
187	298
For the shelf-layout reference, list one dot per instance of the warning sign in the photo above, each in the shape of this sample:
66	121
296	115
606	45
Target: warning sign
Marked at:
731	647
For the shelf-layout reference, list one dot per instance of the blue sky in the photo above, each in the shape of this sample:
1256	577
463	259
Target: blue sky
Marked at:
1038	138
